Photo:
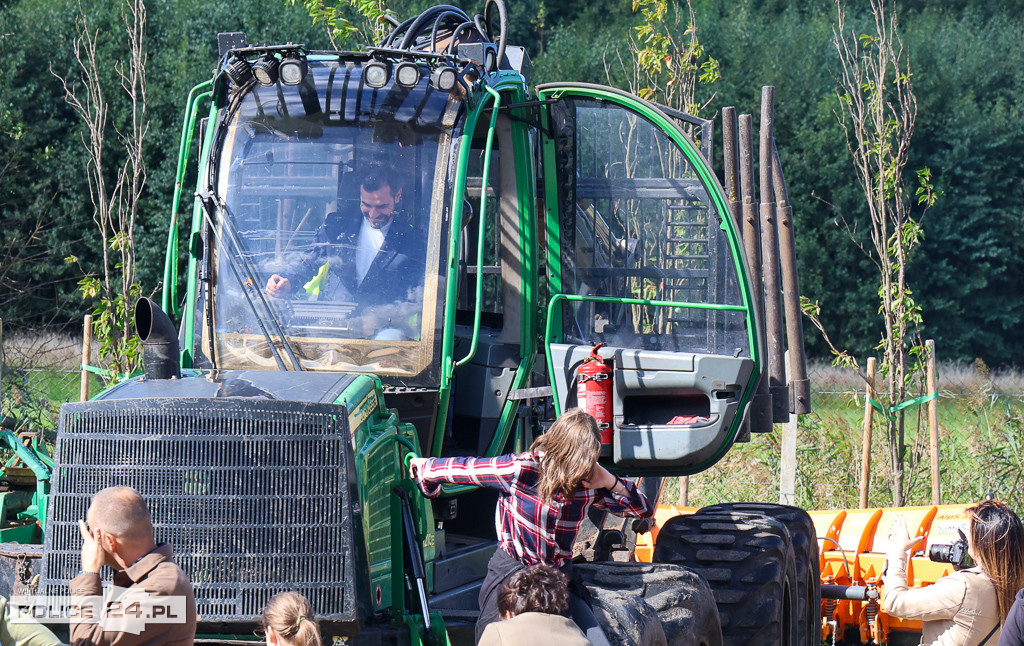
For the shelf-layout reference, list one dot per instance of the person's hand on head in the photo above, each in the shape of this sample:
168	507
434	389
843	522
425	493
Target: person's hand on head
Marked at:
600	478
93	553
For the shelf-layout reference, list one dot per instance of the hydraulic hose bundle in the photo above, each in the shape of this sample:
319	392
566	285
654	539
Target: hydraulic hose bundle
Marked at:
447	23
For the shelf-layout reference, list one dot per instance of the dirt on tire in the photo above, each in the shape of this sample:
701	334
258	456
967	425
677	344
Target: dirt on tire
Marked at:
628	596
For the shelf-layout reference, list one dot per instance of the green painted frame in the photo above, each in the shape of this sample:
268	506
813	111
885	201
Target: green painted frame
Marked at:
650	112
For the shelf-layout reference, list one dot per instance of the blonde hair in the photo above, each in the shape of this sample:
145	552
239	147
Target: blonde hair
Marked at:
997	542
571	448
291	617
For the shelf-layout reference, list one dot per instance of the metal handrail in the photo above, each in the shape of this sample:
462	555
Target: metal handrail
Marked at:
170	292
480	228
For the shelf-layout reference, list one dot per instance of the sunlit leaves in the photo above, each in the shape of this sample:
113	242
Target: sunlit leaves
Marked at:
669	56
334	18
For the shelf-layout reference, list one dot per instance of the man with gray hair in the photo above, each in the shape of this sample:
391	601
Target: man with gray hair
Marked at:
153	601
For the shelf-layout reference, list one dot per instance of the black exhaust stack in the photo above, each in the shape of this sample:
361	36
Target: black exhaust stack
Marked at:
160	350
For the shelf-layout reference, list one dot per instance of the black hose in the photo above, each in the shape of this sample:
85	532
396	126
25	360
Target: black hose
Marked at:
401	28
478	20
502	25
848	592
422	20
455	35
437	24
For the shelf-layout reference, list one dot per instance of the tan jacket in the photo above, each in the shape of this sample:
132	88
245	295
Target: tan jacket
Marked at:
957	610
533	628
153	576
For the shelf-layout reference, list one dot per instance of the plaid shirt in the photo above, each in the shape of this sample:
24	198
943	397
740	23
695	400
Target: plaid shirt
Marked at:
529	529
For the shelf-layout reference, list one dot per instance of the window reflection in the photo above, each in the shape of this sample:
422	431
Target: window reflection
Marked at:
644	228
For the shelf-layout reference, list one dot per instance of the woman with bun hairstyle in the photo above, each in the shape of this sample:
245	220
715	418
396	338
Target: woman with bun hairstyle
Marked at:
967	607
543	498
288	620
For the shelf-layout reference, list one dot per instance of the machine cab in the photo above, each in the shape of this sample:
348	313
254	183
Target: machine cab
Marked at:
330	203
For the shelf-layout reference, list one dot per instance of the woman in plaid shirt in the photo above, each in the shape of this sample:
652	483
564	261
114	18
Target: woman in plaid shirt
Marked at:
544	495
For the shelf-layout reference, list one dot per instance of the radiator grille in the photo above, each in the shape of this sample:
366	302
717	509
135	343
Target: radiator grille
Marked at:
253	495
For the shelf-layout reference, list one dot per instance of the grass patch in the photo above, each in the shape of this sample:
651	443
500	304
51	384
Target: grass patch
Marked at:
981	448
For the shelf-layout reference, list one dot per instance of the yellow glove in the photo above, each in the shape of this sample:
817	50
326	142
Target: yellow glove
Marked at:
316	283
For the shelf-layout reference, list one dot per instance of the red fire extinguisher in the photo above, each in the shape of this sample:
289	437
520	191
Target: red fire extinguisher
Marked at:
594	391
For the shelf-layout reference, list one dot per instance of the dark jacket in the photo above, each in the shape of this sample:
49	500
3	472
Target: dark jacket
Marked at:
147	581
397	267
1013	627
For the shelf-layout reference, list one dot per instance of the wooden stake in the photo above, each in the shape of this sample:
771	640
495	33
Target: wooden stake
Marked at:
933	423
865	459
86	354
787	459
684	491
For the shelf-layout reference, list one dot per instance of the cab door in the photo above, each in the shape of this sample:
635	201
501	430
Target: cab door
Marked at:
643	257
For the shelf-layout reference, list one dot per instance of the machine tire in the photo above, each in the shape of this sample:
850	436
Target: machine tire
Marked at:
749	562
652	603
805	550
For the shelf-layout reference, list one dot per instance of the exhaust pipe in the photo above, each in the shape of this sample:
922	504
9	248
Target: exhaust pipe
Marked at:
160	350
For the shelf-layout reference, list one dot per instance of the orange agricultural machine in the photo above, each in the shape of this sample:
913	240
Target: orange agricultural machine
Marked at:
852	548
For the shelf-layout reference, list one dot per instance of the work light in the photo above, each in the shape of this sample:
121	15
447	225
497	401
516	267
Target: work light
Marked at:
239	71
293	69
265	69
376	74
444	78
407	74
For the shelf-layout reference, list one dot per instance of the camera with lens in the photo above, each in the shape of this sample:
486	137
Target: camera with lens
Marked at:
954	553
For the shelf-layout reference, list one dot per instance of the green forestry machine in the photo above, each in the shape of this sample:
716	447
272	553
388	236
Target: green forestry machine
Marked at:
550	229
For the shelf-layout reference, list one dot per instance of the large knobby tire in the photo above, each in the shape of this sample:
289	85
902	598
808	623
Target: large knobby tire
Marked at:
805	550
749	563
627	596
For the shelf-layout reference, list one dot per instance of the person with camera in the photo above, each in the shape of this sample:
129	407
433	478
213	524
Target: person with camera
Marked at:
967	607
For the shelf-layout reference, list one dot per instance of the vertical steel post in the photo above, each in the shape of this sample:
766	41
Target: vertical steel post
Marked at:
933	423
770	261
799	385
865	456
761	406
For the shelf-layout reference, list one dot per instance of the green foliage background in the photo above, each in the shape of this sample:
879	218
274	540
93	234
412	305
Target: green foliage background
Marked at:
966	60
